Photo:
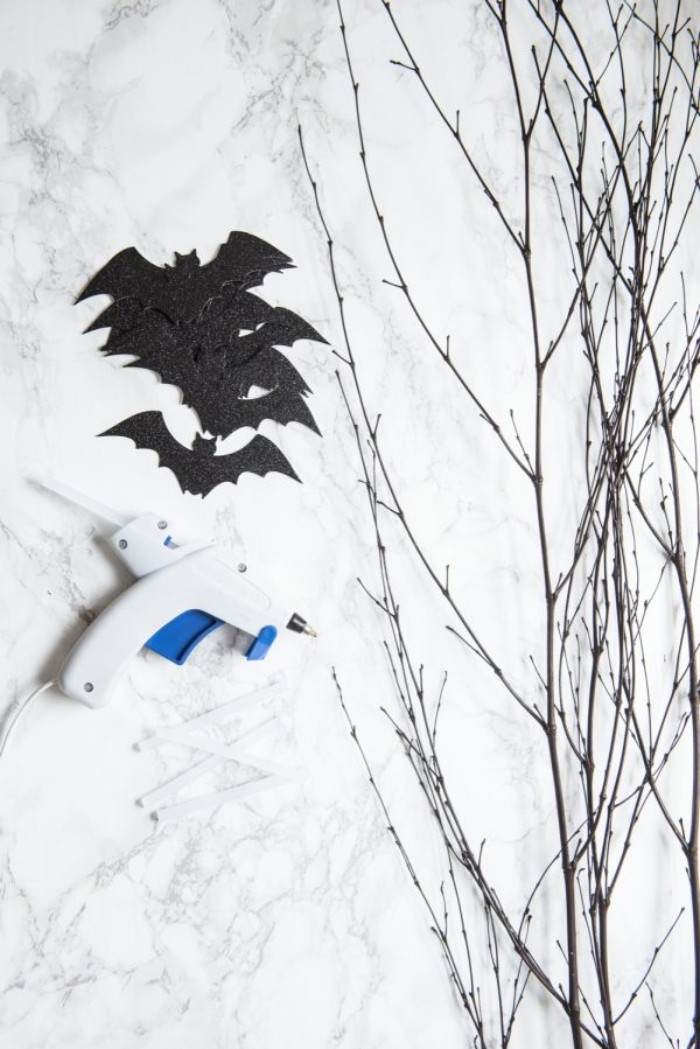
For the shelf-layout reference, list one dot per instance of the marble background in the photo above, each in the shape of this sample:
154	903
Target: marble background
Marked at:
287	919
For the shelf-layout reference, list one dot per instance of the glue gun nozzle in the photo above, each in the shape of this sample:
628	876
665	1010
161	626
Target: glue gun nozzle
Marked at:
300	626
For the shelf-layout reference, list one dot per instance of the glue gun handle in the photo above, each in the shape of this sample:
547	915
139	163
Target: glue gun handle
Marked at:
206	580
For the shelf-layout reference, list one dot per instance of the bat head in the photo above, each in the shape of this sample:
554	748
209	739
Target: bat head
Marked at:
185	264
204	447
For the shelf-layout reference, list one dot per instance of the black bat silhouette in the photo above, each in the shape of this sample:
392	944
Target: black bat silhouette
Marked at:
200	469
238	330
279	397
216	370
201	329
182	290
277	404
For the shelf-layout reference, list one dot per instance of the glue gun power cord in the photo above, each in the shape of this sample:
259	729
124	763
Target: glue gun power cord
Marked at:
15	714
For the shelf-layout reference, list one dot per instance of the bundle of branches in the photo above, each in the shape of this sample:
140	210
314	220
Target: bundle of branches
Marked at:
605	102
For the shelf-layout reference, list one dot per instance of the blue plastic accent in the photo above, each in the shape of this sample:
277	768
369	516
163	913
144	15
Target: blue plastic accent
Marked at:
178	638
261	644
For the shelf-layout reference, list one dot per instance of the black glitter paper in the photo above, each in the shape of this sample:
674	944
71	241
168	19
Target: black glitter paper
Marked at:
201	329
182	290
200	469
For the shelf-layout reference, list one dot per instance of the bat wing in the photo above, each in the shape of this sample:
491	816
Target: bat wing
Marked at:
138	333
268	369
127	275
243	261
163	348
259	456
273	326
284	329
121	316
148	431
248	328
227	412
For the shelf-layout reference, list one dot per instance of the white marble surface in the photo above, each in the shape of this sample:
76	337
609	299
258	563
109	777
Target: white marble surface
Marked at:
288	919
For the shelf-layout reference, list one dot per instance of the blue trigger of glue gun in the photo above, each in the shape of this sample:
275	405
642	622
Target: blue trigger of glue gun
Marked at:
178	638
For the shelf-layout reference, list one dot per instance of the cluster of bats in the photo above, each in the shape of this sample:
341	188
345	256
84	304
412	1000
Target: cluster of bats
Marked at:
199	327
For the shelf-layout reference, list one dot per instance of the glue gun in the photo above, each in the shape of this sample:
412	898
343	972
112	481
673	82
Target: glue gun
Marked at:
181	594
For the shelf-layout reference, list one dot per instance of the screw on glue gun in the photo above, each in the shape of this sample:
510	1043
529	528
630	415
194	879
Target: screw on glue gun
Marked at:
181	594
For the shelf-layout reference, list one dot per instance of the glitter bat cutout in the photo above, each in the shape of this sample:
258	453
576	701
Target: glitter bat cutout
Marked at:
201	329
181	291
200	469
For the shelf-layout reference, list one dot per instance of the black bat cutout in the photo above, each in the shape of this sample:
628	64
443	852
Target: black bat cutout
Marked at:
199	470
201	329
221	393
242	310
206	377
268	370
282	400
181	291
279	405
241	328
215	365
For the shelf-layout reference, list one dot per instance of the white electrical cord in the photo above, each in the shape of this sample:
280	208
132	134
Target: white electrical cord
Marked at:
20	708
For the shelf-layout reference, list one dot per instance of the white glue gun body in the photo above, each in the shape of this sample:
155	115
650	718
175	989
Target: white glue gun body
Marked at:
181	595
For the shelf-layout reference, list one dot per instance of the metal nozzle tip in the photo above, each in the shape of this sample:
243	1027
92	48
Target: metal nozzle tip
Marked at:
299	625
